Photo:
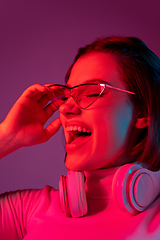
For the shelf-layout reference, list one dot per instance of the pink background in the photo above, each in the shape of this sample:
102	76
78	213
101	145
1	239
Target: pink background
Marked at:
38	41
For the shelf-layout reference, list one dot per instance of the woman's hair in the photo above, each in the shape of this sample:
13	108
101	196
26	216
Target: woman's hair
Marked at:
140	69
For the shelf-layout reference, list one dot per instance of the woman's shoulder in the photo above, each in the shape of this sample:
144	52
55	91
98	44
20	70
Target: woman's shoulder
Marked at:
26	196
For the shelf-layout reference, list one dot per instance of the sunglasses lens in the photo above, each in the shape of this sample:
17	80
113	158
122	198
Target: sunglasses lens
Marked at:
58	95
83	95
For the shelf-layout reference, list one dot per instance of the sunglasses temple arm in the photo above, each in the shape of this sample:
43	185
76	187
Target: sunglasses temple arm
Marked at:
119	89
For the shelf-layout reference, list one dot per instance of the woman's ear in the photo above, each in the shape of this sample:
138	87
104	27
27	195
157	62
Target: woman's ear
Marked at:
142	118
142	122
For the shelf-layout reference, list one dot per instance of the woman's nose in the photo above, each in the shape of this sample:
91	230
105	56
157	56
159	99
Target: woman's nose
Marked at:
69	107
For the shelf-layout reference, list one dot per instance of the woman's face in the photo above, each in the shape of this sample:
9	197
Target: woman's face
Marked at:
108	122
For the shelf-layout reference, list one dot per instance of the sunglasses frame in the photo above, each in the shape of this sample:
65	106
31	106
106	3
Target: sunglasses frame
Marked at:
104	85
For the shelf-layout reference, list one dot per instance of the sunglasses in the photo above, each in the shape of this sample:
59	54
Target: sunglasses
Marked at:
84	95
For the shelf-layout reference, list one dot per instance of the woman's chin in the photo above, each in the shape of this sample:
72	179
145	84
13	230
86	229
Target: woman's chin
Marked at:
74	162
79	166
75	166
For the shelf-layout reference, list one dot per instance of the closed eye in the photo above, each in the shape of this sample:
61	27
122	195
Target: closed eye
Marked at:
64	98
96	94
92	95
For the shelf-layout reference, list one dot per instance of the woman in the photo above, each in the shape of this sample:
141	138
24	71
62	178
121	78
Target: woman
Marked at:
110	112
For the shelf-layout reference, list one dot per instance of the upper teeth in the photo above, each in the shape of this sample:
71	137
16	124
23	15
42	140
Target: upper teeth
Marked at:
76	128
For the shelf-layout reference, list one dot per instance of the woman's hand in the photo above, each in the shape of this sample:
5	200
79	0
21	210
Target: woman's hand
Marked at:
23	125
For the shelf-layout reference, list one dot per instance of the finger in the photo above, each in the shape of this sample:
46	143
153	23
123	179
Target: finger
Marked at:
48	84
43	101
35	91
53	127
50	109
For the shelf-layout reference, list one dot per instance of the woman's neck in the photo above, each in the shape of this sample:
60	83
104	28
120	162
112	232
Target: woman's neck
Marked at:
98	184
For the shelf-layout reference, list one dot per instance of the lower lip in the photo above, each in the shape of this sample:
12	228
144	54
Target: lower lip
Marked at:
77	143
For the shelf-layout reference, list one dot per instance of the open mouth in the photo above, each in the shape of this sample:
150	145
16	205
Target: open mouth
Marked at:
74	132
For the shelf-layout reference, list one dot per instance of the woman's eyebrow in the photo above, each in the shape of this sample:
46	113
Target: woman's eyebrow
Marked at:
92	81
95	81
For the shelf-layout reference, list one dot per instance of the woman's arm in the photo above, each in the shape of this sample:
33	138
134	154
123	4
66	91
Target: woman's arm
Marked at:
24	124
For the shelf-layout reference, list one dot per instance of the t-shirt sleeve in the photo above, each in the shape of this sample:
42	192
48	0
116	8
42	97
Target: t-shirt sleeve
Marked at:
16	208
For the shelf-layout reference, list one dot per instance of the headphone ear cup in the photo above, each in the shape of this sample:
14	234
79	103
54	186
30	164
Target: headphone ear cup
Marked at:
63	196
144	188
73	202
120	187
135	188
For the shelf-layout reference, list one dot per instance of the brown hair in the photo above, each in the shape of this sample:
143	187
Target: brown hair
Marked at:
140	68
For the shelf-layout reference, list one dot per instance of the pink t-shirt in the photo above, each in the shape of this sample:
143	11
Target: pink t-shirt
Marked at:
36	214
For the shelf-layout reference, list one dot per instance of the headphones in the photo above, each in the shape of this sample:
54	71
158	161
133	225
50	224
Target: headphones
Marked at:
134	189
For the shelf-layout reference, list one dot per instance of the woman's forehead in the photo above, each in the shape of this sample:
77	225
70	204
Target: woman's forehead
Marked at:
93	66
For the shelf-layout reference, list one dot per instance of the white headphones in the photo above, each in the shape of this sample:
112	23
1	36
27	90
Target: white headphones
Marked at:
134	189
72	194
